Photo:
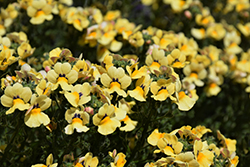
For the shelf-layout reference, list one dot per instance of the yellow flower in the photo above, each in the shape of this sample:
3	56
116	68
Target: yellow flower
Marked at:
161	39
112	15
34	117
176	59
200	130
39	11
162	89
205	18
105	120
169	145
43	88
135	73
216	31
230	144
184	102
83	69
16	97
25	50
79	94
62	75
115	80
49	162
203	156
244	29
136	39
87	161
195	73
129	124
186	159
77	120
154	137
156	60
198	33
77	17
6	57
141	88
119	160
124	27
178	5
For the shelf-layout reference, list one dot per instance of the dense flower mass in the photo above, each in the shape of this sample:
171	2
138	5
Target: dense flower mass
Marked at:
127	84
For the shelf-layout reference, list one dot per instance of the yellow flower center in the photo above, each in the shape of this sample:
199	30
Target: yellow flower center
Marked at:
163	91
125	119
234	160
45	91
17	101
36	111
76	120
232	45
63	79
76	96
115	84
212	85
214	33
120	162
200	157
181	94
178	64
93	34
106	120
78	22
140	90
78	165
39	13
182	3
121	29
106	35
163	41
110	16
184	47
155	64
44	166
194	75
205	21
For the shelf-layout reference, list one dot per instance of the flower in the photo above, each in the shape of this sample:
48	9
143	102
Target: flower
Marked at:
154	137
169	145
119	159
129	124
115	80
142	88
79	94
105	120
39	11
162	89
156	59
203	156
184	102
62	75
176	59
87	161
16	97
34	117
77	120
49	162
230	144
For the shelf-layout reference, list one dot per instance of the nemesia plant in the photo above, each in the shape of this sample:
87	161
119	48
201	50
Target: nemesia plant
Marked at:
105	84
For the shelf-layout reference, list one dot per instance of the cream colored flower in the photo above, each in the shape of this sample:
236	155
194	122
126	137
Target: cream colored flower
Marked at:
162	89
34	117
49	162
156	60
16	97
39	11
115	80
62	75
77	121
129	124
79	94
87	161
105	120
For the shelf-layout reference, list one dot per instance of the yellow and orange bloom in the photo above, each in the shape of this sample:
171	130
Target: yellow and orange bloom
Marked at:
62	75
39	11
16	97
105	120
203	156
87	161
129	124
119	159
162	89
156	60
49	162
169	145
115	80
79	94
34	117
77	121
141	88
154	137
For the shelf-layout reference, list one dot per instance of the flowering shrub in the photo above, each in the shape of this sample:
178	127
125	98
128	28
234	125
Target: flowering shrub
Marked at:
86	86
